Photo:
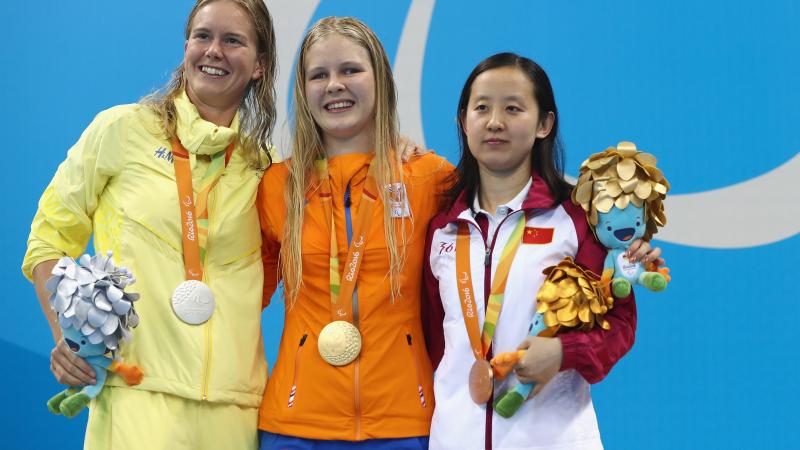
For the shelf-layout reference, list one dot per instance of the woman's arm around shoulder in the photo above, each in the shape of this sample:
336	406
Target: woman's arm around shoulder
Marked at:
271	207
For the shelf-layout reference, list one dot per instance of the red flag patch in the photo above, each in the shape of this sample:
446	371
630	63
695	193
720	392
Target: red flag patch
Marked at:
534	235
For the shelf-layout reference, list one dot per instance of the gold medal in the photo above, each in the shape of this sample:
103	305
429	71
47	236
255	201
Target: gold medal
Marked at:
481	381
339	343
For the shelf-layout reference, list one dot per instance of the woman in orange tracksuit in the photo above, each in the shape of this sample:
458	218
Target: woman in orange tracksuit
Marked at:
344	225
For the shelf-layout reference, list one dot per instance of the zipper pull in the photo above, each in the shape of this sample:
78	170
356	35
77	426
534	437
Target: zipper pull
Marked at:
488	259
408	338
303	340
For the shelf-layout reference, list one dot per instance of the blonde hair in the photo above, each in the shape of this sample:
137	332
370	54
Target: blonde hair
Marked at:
307	147
257	109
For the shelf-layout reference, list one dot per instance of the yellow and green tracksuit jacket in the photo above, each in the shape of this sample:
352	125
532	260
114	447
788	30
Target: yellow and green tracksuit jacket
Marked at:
118	184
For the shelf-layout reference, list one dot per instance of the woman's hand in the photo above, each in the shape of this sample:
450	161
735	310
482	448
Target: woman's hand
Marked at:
406	149
641	251
541	362
69	368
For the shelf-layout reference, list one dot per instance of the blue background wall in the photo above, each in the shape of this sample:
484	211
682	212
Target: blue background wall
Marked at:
709	87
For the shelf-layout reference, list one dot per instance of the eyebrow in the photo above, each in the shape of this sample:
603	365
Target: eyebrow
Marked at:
227	33
351	63
515	98
342	64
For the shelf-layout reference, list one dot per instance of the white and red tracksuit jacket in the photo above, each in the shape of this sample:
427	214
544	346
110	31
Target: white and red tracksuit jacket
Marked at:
561	416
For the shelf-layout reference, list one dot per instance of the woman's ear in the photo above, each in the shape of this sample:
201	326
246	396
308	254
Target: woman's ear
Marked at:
546	125
259	71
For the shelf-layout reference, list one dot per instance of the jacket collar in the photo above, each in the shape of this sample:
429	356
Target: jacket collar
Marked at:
538	197
199	136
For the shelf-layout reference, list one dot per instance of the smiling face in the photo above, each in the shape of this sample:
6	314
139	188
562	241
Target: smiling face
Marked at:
502	120
340	92
619	227
80	345
220	56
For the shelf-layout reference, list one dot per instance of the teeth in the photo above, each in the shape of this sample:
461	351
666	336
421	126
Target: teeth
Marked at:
339	105
212	71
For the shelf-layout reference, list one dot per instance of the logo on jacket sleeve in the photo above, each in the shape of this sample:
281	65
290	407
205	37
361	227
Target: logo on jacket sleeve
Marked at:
163	153
446	247
534	235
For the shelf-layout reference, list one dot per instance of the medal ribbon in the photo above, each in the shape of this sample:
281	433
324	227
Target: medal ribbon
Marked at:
343	283
480	344
194	219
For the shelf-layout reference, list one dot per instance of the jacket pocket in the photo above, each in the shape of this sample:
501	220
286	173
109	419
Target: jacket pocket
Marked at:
296	375
411	345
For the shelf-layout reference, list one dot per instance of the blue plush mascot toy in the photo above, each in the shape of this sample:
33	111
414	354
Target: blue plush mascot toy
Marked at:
94	314
622	192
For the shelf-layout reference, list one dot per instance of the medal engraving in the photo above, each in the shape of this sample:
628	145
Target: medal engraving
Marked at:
480	381
339	343
193	302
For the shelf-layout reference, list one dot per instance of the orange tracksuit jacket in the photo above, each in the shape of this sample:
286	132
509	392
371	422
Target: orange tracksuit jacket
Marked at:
378	395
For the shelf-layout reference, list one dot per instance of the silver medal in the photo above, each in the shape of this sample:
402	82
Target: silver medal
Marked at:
193	302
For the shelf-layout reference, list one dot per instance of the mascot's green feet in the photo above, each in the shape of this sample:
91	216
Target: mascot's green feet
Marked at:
68	402
74	404
654	281
651	280
620	287
508	403
55	402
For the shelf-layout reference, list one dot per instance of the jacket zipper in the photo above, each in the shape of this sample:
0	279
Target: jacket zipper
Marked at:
487	289
293	391
356	364
418	370
207	357
357	398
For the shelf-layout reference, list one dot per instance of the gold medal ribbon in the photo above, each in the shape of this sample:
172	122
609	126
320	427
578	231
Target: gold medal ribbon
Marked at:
480	343
343	283
194	221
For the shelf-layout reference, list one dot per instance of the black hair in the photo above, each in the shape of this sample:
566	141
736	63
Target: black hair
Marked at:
547	156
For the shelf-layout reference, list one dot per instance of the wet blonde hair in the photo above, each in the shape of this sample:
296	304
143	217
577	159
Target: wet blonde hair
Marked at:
307	147
257	109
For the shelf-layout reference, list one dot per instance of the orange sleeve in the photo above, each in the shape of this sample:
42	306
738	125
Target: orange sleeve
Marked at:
444	176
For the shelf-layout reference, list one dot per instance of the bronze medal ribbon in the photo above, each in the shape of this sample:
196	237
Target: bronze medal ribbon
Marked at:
481	341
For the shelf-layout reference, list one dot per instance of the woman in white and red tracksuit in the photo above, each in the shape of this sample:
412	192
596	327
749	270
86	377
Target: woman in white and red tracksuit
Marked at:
511	166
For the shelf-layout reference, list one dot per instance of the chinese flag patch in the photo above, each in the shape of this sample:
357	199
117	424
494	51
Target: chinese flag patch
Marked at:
533	235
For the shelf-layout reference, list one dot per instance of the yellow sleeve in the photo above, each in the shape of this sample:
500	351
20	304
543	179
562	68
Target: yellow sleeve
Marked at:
63	222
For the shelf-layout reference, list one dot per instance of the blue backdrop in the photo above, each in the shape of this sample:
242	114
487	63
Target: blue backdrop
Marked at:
709	87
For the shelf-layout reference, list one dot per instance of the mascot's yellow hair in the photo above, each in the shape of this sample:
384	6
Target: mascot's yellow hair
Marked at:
618	176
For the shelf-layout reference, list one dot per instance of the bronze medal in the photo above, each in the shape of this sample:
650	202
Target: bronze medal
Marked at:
481	381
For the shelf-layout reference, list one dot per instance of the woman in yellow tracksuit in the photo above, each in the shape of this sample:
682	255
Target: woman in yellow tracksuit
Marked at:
203	382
